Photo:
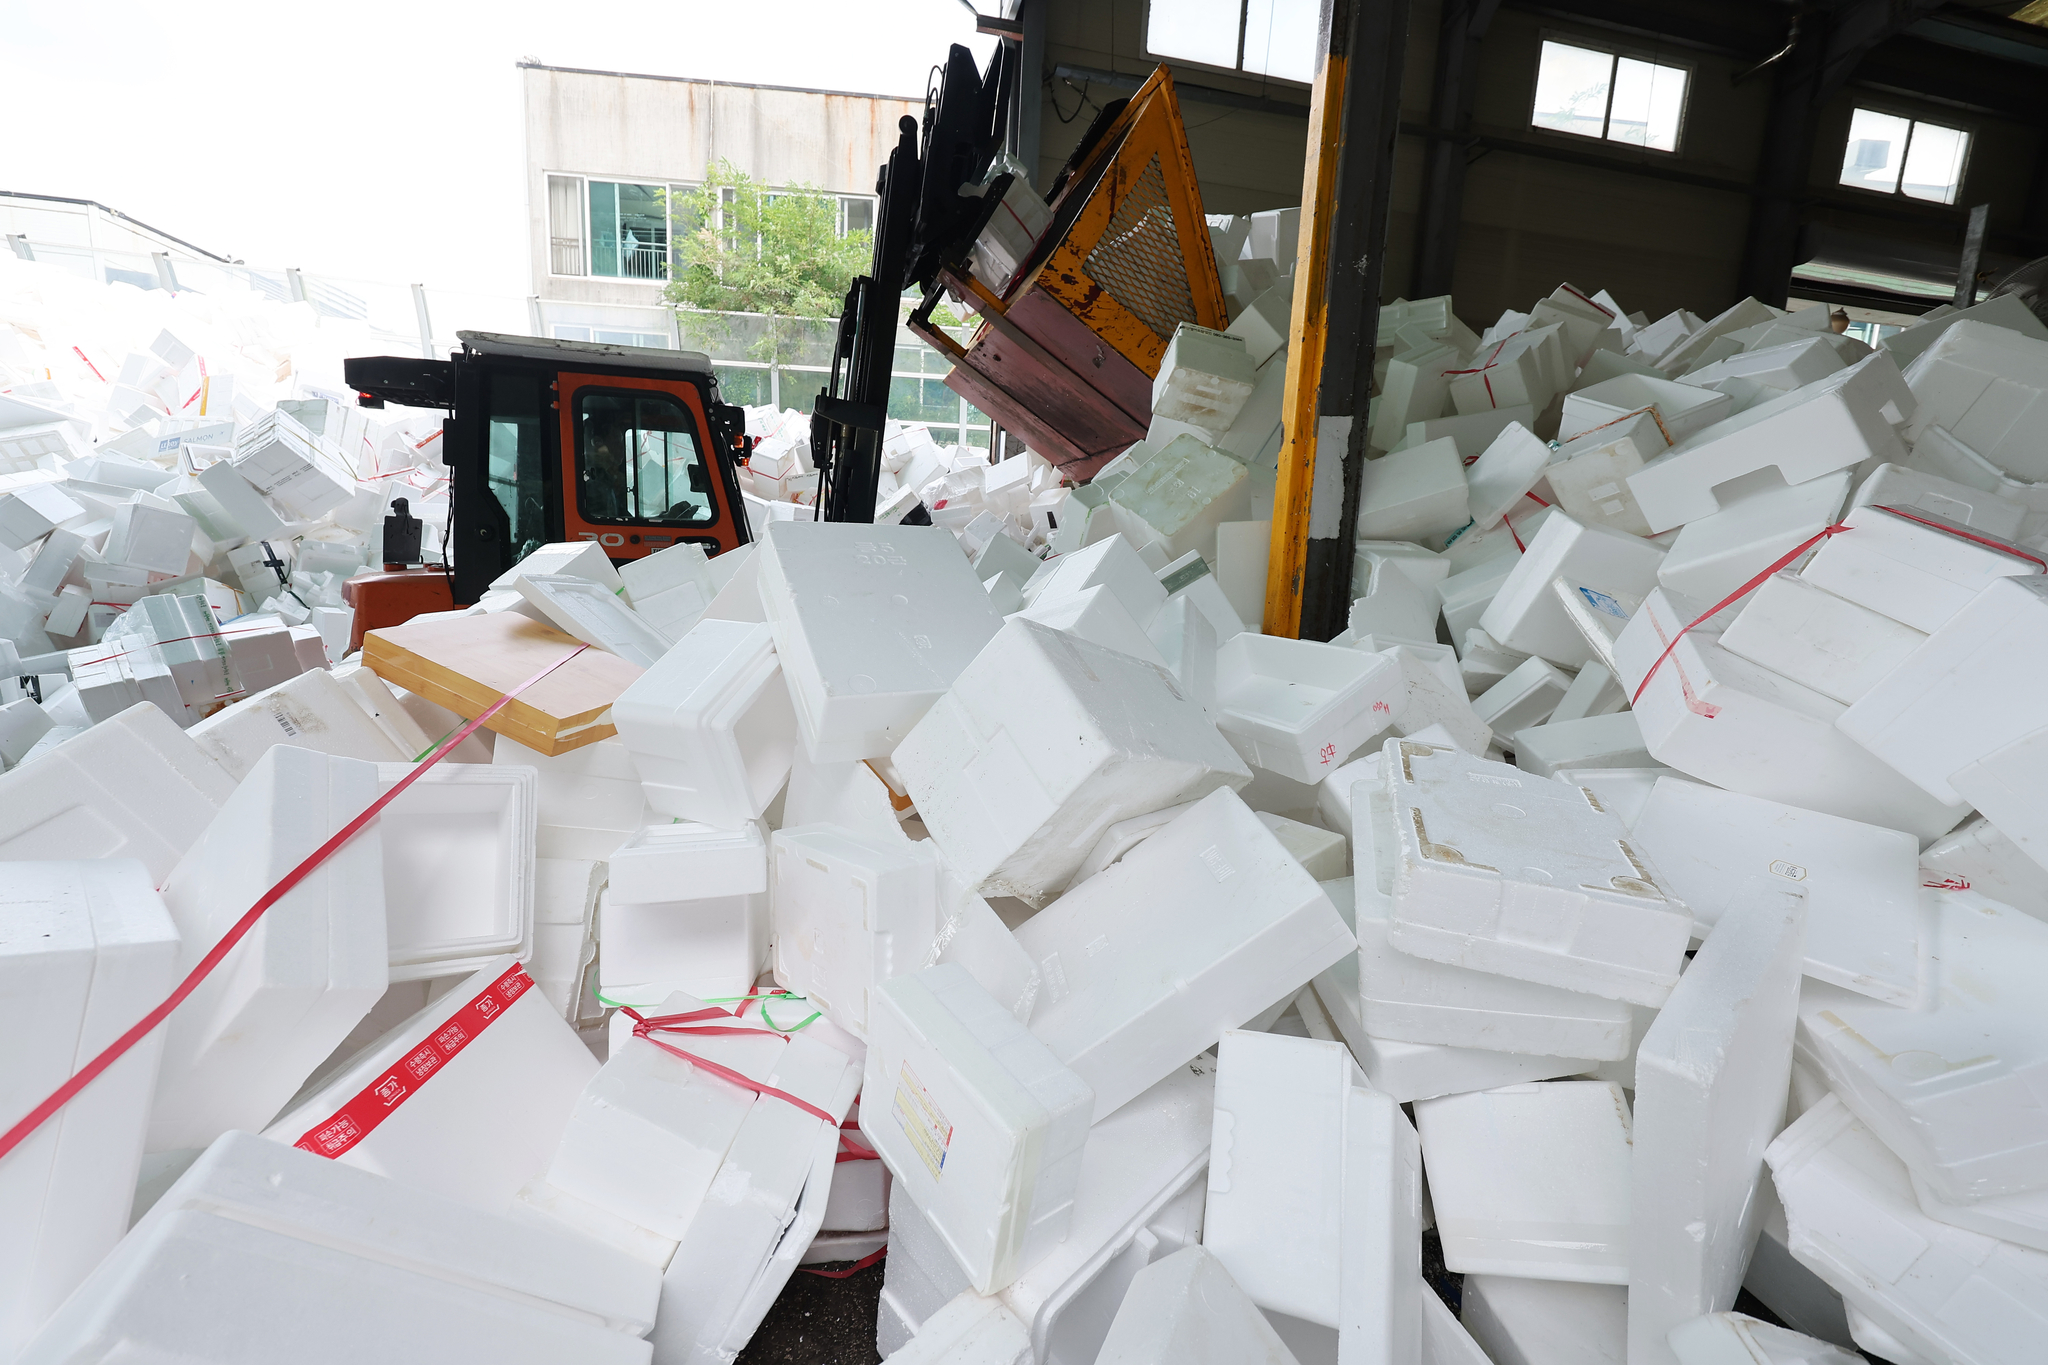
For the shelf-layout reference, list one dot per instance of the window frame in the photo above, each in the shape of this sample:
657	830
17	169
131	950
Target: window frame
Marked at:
1239	71
582	183
1913	121
1614	52
578	417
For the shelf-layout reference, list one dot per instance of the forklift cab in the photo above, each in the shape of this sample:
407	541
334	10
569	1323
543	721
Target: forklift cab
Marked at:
548	441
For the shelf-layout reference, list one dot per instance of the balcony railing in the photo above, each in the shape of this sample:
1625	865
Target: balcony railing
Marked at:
565	255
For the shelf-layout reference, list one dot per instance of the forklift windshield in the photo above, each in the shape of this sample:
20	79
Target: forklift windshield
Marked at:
638	459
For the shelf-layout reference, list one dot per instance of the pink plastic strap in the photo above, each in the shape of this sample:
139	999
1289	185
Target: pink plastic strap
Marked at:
644	1027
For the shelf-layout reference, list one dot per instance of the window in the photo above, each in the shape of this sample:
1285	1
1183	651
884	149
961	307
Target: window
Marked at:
1894	155
628	230
514	471
856	213
1257	37
1590	93
565	225
637	459
564	332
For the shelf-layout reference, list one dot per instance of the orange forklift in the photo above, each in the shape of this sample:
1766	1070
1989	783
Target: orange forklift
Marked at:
548	441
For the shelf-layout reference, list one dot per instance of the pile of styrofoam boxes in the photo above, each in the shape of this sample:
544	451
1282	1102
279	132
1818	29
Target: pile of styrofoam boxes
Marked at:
1201	976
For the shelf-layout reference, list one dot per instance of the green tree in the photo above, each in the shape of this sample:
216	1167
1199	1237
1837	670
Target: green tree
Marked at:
742	248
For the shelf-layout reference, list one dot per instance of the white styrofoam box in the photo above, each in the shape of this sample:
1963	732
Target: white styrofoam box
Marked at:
1589	480
1525	697
1789	365
1736	317
1014	227
378	701
1204	378
1262	326
1300	707
305	1257
23	722
1466	596
985	1127
1920	570
2021	1219
481	1082
1980	856
1414	493
1851	416
593	614
2007	311
670	589
1187	1310
1942	1291
583	558
850	910
1506	872
1113	563
1195	931
1415	388
703	926
1718	849
1717	554
1956	1109
1387	601
150	533
1279	1151
1501	476
1531	1180
1322	855
1413	1000
1444	1339
565	894
1178	498
1722	719
1684	410
1520	1321
1192	577
710	727
1437	700
2005	786
1592	742
1527	368
588	800
86	948
1594	691
1525	615
971	1329
309	711
1891	485
1962	694
1710	1080
1739	1339
1984	384
1044	741
31	511
458	866
1140	1199
1473	432
1097	616
1801	631
870	628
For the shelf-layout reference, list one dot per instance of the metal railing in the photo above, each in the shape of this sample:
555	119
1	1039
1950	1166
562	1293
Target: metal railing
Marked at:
565	255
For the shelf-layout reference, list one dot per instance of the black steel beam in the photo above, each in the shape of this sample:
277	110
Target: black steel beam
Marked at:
1461	29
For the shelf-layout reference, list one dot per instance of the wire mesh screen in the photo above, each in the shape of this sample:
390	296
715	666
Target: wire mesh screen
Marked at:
1138	260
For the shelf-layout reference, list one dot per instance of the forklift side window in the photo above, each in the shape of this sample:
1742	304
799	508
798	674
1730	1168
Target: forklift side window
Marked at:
515	471
638	460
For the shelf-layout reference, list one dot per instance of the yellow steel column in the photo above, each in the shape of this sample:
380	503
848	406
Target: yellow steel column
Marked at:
1295	484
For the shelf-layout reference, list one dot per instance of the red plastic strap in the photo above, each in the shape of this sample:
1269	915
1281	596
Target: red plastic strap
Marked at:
1751	586
644	1027
1583	299
89	365
1655	416
2003	547
114	1051
379	1100
862	1264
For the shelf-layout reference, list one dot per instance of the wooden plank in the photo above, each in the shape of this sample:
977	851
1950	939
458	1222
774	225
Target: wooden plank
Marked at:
466	663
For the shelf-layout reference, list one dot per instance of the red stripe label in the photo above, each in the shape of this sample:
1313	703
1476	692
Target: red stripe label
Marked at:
379	1099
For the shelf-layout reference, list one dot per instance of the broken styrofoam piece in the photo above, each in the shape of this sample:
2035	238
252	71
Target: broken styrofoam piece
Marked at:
711	726
988	1127
466	1099
87	949
850	911
1983	384
593	614
1979	856
1043	741
1738	1339
1960	696
1187	1310
1851	416
1204	378
1139	1200
670	589
1945	1086
1531	1180
1862	882
1801	631
1943	1292
1721	719
1525	615
328	1264
1709	1098
584	559
565	896
458	851
1414	494
1301	707
1521	1321
246	1039
972	1329
1388	601
1196	930
1506	872
870	628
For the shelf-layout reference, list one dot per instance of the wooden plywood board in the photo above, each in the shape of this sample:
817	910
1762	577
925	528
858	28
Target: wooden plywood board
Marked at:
465	663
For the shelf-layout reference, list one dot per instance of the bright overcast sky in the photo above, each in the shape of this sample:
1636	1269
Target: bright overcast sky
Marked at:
381	140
